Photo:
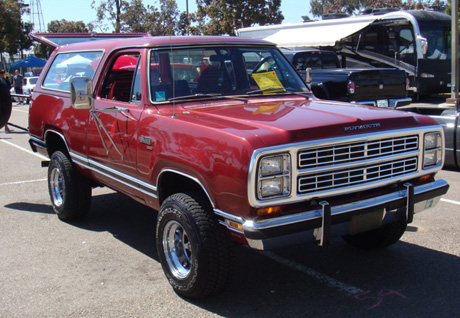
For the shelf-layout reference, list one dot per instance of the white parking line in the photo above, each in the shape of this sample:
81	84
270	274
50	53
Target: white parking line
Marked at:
24	149
20	110
21	182
331	282
450	201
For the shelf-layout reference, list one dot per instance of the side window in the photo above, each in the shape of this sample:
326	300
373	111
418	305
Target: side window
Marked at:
68	65
406	41
120	77
136	95
406	46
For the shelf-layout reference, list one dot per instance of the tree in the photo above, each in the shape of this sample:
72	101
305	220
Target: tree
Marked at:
13	33
64	26
168	18
225	16
111	10
61	26
184	25
321	7
135	17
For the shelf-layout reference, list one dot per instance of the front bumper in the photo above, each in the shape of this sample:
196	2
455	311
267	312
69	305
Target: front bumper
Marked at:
319	225
390	103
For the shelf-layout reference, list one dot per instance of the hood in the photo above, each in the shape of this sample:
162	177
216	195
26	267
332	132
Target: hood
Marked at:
282	120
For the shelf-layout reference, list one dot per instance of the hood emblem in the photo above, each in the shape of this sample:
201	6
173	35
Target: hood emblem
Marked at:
380	86
359	127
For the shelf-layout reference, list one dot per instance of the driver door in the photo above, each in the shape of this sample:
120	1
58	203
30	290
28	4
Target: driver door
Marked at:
113	125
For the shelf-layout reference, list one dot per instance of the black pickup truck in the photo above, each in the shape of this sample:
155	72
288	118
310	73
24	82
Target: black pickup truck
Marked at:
383	87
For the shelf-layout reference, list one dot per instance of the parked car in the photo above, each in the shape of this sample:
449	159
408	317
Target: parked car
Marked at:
382	87
27	88
233	153
447	115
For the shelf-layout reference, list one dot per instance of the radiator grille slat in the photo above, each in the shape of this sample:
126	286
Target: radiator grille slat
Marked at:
382	167
356	176
335	154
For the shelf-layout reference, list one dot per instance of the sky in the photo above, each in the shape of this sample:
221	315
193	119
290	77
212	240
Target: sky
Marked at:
80	10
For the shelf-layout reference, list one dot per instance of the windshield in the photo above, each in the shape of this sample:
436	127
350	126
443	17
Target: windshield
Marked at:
222	71
438	37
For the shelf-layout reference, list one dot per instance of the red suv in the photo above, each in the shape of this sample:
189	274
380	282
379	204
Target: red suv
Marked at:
223	138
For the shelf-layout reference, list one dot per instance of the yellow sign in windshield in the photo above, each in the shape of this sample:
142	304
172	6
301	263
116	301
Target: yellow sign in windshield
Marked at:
267	81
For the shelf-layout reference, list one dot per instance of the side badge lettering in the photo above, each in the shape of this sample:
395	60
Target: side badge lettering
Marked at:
145	140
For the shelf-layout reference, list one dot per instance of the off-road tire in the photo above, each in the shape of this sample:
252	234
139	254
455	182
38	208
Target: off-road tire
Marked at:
379	238
70	192
195	253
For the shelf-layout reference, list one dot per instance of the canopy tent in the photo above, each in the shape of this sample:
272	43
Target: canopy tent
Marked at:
309	34
76	60
30	61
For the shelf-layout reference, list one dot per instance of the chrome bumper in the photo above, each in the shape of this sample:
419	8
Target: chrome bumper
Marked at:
392	102
319	225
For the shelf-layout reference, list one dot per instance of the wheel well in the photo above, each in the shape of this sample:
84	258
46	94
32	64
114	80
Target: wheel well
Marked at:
170	183
54	142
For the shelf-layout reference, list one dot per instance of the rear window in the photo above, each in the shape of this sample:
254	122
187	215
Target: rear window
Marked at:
315	60
68	65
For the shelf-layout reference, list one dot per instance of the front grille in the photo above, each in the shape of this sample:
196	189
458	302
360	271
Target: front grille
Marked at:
347	153
355	176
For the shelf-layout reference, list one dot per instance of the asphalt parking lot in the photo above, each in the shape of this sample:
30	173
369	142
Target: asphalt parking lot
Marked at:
107	264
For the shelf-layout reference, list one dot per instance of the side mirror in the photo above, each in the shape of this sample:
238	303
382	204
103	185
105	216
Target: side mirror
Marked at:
81	92
424	43
308	77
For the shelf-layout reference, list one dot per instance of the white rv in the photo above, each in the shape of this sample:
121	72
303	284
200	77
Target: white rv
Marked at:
417	42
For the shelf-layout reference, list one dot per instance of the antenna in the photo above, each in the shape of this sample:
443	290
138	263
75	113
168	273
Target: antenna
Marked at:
36	16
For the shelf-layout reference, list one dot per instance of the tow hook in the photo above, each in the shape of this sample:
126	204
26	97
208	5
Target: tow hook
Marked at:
45	163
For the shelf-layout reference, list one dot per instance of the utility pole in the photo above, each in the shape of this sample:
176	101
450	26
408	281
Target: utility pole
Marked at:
455	71
188	18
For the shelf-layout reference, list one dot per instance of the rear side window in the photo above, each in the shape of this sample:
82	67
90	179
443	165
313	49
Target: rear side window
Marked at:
68	65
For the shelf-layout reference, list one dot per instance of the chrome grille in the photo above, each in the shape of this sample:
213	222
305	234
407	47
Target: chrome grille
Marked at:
335	154
356	176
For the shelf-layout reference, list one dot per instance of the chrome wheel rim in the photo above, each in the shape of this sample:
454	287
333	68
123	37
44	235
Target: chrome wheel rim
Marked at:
57	187
177	249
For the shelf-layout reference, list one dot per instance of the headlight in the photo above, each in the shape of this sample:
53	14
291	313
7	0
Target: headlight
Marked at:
274	176
271	165
432	147
274	187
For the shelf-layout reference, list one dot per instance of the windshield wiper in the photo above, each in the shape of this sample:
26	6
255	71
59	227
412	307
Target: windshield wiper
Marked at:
268	89
279	89
206	96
